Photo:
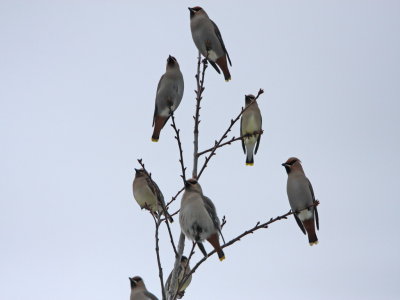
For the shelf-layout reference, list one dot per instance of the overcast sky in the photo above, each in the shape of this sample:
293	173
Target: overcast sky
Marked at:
77	89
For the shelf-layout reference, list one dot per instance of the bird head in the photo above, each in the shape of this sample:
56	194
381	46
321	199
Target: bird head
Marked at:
292	163
193	186
195	11
249	98
136	281
140	172
172	62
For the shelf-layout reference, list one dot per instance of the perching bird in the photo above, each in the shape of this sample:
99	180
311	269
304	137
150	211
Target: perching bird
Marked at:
198	218
249	124
301	196
139	291
168	97
208	40
147	193
181	273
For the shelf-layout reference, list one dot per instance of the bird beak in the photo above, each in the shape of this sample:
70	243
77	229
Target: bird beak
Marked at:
285	165
136	170
187	183
190	9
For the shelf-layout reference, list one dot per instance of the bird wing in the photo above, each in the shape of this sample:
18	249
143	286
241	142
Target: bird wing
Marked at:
155	189
219	36
150	295
155	106
315	208
299	223
213	214
214	66
241	134
259	136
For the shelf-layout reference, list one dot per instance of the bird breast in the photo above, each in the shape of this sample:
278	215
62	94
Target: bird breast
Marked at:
204	36
298	191
169	93
143	196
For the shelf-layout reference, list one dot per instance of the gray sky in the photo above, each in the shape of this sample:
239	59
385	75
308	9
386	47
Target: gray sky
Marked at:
77	89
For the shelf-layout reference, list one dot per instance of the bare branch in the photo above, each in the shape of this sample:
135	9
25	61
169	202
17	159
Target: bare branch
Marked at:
225	135
251	230
223	222
160	270
234	139
172	292
176	196
199	92
178	139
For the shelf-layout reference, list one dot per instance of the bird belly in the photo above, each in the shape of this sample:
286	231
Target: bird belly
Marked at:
305	214
196	223
145	198
249	127
169	96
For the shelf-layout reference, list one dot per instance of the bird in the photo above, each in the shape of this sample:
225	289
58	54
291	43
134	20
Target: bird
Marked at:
147	194
301	195
139	291
208	40
169	95
198	218
183	271
250	123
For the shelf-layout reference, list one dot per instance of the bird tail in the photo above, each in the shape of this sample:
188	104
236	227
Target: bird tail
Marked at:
250	158
249	152
310	228
221	62
159	123
214	241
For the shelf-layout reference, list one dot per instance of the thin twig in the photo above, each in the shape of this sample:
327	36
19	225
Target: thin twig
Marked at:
178	139
223	222
160	270
234	139
225	135
176	196
199	92
251	230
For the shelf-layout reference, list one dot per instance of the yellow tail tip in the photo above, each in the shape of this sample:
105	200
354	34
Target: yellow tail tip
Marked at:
314	243
222	258
154	140
249	164
227	80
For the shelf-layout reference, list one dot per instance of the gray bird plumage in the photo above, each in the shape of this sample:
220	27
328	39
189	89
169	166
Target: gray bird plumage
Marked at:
301	196
147	193
198	218
250	123
208	40
169	95
139	290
